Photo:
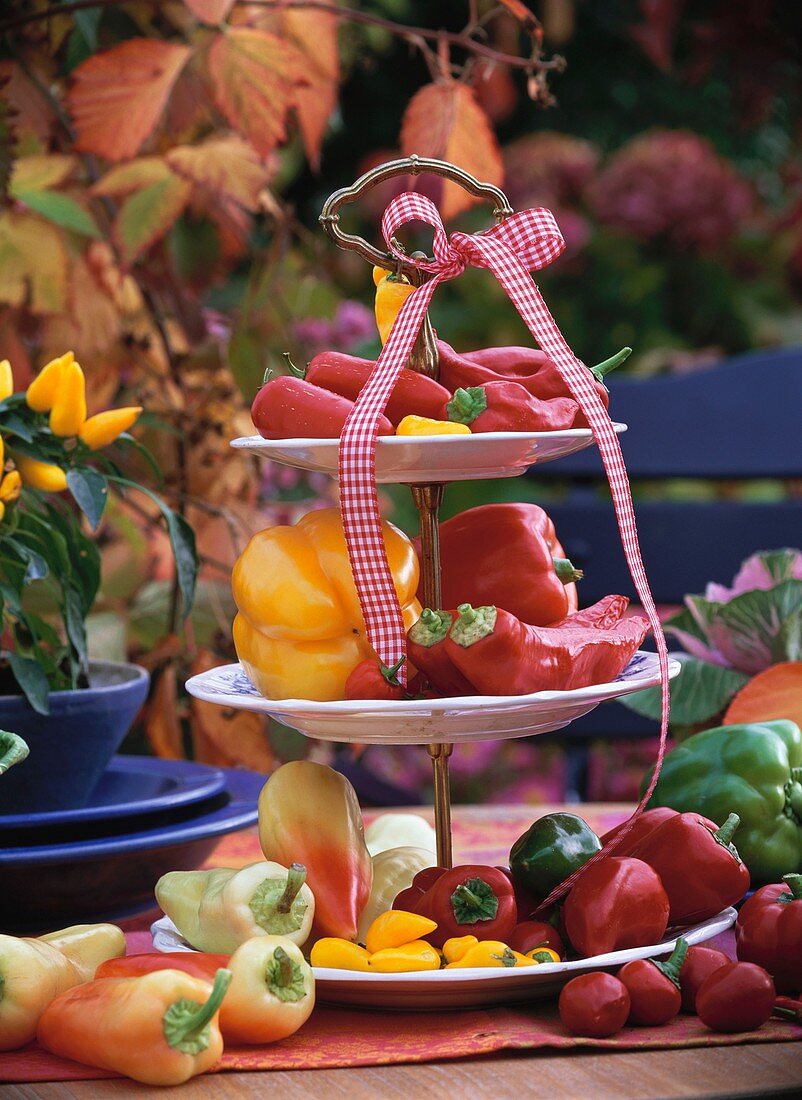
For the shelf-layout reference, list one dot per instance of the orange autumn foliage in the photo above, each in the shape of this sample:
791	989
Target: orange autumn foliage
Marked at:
776	692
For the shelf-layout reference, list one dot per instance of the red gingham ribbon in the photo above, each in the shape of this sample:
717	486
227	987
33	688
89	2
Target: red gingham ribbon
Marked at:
522	243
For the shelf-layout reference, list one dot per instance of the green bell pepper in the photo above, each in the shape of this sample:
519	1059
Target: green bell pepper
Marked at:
549	851
752	770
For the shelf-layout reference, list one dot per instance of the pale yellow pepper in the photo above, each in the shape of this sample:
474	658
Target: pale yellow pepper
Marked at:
490	953
406	959
42	391
423	425
40	475
68	411
103	428
333	953
395	928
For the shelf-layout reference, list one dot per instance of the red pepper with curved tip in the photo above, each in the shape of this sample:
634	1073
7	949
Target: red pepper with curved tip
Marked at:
373	680
654	987
769	932
530	934
473	900
427	652
644	825
617	903
414	394
594	1005
736	997
290	408
509	407
486	551
700	962
198	964
699	866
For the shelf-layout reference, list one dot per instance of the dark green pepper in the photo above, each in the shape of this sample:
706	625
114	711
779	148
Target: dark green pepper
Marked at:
754	770
549	851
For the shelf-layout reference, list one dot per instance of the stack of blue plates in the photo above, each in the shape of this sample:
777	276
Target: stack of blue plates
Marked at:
101	862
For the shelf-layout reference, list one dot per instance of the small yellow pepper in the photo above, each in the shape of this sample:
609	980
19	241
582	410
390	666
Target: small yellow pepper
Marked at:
391	292
6	380
396	928
457	946
103	428
42	391
41	475
543	955
332	953
491	953
423	425
409	957
68	411
10	489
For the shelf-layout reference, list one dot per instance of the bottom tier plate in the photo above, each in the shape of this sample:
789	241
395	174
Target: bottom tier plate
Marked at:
425	721
453	989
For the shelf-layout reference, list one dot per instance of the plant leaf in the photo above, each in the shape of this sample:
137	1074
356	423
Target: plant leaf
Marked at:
444	120
125	178
757	628
118	96
75	626
315	35
227	166
210	11
15	425
31	680
701	691
33	263
61	210
36	173
147	215
90	491
255	74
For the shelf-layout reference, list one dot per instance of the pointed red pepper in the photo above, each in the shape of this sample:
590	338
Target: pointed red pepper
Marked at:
700	962
427	652
644	826
509	407
290	408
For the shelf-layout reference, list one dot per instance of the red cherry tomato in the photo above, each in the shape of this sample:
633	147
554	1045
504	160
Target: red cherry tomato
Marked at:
530	934
736	997
595	1005
699	963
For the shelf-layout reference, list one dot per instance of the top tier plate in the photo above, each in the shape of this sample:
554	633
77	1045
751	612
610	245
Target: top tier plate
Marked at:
409	460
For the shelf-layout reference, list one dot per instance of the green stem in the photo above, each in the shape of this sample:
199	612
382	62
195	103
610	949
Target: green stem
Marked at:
467	614
604	368
465	894
727	831
296	877
794	884
391	673
566	571
673	964
186	1023
299	372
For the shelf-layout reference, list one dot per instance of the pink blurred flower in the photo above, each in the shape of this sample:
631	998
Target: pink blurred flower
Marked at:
351	326
548	169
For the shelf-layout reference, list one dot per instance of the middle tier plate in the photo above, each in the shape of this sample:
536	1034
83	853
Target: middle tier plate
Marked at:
426	721
410	460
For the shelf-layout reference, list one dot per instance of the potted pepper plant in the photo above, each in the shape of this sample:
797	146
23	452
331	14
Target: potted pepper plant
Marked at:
55	479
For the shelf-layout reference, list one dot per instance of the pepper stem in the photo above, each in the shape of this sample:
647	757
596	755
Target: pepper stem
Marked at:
794	884
725	834
298	372
296	877
391	673
186	1023
566	572
673	964
466	895
603	368
467	614
13	750
284	978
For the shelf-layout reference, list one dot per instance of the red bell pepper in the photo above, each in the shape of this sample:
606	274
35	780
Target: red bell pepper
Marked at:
290	408
736	997
769	932
500	655
473	900
594	1005
700	869
427	652
199	964
509	407
700	962
372	680
487	553
654	987
408	899
617	903
413	394
530	934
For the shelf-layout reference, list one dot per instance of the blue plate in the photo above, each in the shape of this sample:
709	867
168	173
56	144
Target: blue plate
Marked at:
48	886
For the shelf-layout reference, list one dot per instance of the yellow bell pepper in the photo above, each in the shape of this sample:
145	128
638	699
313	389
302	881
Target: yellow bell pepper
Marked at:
395	928
68	412
423	425
332	953
391	292
6	380
457	946
490	953
409	957
103	428
41	475
42	391
300	632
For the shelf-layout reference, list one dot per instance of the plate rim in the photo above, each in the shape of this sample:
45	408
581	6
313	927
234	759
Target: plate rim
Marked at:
255	442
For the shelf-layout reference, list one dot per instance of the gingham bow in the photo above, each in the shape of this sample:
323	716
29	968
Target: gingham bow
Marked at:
522	243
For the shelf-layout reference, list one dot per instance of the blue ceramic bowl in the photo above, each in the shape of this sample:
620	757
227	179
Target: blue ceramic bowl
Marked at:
71	746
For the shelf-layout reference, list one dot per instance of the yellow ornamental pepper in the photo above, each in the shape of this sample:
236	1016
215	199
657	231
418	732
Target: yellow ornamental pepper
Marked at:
10	489
418	955
490	953
458	946
103	428
395	928
69	408
543	955
219	909
393	871
41	475
6	380
391	293
332	953
300	632
42	391
423	425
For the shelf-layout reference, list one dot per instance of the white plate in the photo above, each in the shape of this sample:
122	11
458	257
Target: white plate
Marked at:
407	460
464	988
423	721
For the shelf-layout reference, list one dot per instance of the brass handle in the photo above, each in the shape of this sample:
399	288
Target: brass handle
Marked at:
414	166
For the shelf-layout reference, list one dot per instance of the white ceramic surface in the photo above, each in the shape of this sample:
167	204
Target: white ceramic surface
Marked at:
408	460
422	721
464	988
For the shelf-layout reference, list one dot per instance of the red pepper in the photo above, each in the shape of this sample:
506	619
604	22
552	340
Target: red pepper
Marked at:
509	407
408	899
643	827
788	1009
473	900
373	680
413	394
700	869
290	408
530	934
769	932
500	655
700	962
427	652
199	964
654	987
595	1005
617	903
485	551
736	997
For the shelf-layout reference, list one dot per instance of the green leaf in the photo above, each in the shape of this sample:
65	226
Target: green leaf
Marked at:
246	360
61	210
757	628
15	425
90	491
74	624
31	680
143	452
147	215
700	692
